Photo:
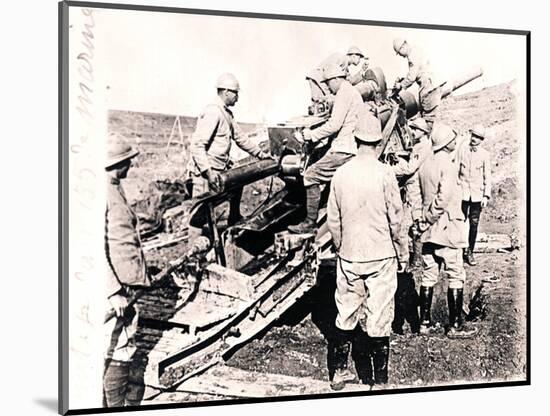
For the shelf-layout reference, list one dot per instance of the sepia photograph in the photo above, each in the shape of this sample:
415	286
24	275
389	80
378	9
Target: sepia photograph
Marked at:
265	207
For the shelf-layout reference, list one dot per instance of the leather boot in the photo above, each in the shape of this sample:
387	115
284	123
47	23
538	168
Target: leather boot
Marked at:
340	353
470	259
362	357
136	385
425	300
309	225
456	328
380	356
235	208
417	252
115	383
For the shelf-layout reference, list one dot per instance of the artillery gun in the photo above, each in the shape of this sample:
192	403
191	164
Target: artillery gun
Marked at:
253	271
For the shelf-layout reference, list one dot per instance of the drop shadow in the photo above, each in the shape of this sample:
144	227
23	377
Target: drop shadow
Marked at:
48	404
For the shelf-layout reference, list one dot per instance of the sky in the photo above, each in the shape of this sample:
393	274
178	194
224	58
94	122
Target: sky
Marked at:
169	63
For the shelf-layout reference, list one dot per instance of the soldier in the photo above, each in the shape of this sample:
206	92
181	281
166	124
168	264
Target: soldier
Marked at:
210	146
347	105
354	58
475	178
439	219
419	72
364	217
126	271
319	89
406	172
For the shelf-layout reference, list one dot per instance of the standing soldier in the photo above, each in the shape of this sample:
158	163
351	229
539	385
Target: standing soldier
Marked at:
475	179
406	172
210	146
439	219
419	72
364	218
347	105
126	271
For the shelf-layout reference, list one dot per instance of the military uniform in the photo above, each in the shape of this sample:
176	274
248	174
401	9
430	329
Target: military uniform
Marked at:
319	90
347	105
437	201
126	271
437	210
364	216
209	149
421	74
475	179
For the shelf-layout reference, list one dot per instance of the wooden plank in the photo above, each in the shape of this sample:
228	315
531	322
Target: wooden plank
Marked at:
228	282
229	381
206	309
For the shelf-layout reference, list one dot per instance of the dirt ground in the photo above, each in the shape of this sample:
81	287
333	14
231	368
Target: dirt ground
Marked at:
297	344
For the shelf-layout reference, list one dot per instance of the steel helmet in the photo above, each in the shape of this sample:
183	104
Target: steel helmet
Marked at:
354	50
333	71
398	44
441	136
420	124
479	131
227	81
118	150
368	128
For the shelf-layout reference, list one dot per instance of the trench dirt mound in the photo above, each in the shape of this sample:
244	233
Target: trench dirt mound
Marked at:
297	344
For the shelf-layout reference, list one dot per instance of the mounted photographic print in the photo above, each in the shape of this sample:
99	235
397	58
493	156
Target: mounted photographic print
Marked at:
264	207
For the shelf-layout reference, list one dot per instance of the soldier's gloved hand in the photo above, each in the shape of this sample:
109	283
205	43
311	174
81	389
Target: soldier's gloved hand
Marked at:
119	303
422	226
264	155
214	180
484	202
306	134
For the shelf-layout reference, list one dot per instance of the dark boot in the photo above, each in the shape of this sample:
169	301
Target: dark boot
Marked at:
115	383
235	208
136	384
309	225
339	357
425	300
417	253
362	357
380	355
470	259
456	328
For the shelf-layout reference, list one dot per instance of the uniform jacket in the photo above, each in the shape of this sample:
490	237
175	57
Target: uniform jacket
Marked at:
125	259
211	141
474	173
419	70
345	111
436	199
420	152
406	170
336	58
365	211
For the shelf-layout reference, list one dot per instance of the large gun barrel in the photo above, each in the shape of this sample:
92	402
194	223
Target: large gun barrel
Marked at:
246	174
456	83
